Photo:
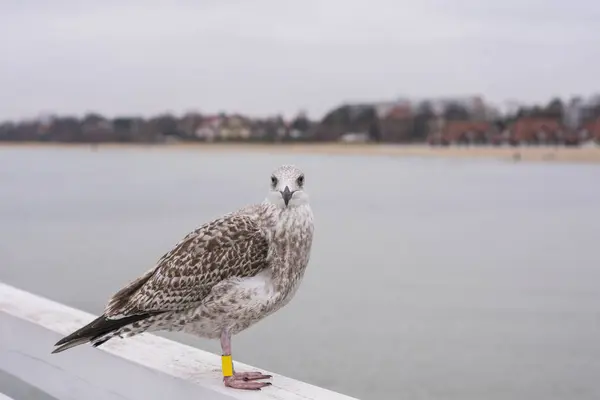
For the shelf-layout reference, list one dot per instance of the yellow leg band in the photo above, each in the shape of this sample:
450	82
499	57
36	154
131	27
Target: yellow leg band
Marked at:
227	365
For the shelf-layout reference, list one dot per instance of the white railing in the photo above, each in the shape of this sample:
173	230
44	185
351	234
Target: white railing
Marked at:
145	367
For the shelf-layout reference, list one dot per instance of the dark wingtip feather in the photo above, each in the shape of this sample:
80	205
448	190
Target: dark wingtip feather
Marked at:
73	343
86	331
95	329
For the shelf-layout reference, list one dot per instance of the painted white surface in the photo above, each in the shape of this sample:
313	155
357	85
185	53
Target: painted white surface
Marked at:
144	367
4	397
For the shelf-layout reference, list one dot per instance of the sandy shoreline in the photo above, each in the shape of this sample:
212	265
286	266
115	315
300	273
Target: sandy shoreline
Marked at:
541	154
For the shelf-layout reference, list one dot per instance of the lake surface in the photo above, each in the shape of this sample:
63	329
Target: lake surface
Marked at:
429	278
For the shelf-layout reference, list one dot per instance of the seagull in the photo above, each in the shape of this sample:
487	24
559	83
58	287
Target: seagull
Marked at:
219	279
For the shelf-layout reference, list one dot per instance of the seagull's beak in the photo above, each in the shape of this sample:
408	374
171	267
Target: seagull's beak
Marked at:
287	195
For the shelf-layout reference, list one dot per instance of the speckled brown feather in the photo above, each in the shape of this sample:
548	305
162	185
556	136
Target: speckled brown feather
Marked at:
231	246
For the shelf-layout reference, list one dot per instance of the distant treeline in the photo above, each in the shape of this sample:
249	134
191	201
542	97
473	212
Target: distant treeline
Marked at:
95	128
399	121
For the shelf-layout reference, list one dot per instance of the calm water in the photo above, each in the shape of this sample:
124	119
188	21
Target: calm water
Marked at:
430	278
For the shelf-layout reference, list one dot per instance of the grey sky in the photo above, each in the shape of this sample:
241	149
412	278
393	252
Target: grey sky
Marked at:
266	56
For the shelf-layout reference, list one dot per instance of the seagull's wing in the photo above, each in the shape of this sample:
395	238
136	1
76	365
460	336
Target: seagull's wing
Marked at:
231	246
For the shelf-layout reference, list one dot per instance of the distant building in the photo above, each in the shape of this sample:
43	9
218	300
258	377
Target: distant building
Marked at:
235	127
209	128
534	130
462	132
574	113
591	130
396	122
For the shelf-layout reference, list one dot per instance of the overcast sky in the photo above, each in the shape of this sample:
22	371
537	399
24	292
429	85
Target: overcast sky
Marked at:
259	57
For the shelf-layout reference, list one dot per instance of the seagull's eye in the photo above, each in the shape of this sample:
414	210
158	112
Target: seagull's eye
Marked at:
300	180
273	181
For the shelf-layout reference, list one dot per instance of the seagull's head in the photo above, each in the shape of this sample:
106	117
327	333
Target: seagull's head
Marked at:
287	187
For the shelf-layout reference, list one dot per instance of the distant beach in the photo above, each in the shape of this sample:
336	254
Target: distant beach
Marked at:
585	154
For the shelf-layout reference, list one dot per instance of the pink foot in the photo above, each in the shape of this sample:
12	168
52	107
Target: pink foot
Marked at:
244	380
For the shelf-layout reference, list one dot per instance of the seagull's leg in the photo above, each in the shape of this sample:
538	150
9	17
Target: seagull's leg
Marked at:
238	380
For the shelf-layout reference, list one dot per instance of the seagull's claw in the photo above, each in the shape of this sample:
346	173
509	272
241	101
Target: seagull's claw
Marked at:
245	380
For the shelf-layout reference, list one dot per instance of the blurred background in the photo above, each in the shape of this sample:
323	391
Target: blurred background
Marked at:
450	150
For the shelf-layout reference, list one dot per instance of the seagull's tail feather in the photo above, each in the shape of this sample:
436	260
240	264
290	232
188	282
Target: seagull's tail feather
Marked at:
95	330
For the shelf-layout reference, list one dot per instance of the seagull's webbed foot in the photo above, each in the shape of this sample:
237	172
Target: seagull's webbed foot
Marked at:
238	380
246	380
